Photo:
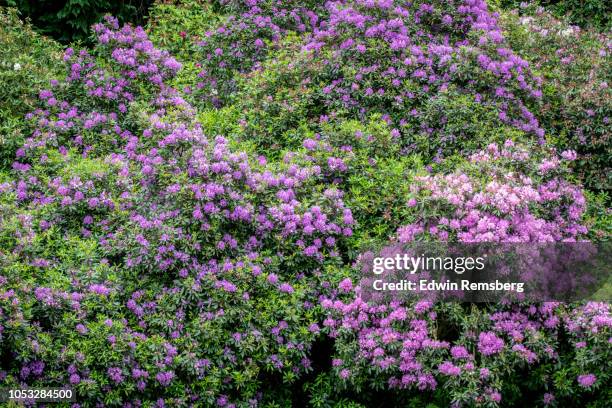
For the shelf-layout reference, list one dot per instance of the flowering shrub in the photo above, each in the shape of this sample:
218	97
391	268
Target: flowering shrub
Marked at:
400	346
243	41
502	194
28	62
429	48
442	87
181	223
202	256
577	103
586	13
430	70
496	197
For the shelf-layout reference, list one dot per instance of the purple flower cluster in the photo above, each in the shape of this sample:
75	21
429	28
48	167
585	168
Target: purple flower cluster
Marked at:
586	380
489	344
397	58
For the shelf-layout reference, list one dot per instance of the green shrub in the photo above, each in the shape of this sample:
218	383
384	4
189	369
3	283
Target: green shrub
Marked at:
585	13
576	109
27	62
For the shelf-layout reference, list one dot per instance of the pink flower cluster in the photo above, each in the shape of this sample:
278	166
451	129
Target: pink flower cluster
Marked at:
498	201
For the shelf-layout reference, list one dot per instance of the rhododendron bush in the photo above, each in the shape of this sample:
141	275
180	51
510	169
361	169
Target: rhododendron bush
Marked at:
577	103
182	220
415	64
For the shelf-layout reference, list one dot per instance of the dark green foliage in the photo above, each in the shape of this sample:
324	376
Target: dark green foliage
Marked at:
585	13
69	20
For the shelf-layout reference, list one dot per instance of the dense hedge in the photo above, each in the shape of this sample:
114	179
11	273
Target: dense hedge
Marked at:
182	206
